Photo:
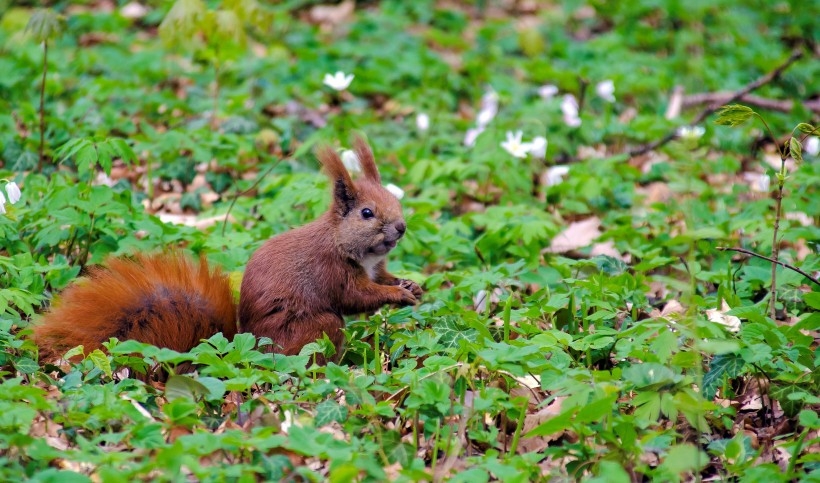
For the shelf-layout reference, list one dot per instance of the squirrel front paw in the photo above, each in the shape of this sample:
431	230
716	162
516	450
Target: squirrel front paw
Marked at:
412	287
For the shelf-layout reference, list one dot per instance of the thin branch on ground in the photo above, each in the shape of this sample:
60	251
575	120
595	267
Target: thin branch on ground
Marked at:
723	98
737	95
772	260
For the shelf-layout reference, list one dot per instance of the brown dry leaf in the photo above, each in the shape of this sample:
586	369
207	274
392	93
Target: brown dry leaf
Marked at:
332	15
577	235
672	307
656	192
531	421
608	248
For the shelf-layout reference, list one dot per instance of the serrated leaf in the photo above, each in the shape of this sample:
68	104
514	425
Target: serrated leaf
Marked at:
734	115
26	365
791	407
101	362
723	366
76	351
329	411
182	20
796	149
184	387
45	24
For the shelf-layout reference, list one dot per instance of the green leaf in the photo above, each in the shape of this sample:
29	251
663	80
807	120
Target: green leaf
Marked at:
734	115
597	409
26	365
101	362
182	21
684	457
723	366
806	128
553	425
796	149
45	25
812	299
185	387
329	411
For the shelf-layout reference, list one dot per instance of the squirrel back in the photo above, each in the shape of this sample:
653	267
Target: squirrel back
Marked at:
163	299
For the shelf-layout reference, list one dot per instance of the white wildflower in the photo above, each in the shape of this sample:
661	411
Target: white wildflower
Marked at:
2	204
812	146
288	422
133	10
395	190
471	135
422	121
351	162
538	147
548	91
484	118
690	133
719	316
14	192
569	106
556	174
514	146
760	182
606	90
338	81
489	108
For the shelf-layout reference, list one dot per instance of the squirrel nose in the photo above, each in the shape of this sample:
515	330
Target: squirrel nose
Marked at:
401	227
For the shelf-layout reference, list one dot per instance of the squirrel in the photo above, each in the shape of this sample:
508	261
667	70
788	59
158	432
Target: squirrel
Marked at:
296	287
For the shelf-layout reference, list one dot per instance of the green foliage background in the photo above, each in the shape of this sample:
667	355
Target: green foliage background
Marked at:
637	393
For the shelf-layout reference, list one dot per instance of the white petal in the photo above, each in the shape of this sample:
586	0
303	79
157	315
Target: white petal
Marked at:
605	90
133	10
812	145
471	135
556	174
422	121
395	190
14	192
569	106
547	91
351	161
538	147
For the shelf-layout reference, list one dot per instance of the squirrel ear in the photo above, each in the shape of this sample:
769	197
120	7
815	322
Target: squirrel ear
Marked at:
344	193
366	160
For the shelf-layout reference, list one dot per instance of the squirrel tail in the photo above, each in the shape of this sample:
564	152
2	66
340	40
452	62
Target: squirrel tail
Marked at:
166	300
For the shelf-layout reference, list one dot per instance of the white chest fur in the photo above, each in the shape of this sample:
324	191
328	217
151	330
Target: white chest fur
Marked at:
369	264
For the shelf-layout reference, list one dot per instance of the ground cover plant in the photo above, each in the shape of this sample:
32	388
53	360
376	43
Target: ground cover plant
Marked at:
620	274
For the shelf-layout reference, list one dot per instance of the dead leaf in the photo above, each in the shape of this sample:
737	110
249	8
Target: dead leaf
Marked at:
332	15
577	235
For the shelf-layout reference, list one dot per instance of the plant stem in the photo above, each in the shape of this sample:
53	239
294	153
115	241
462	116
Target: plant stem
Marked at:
764	257
214	120
42	108
781	180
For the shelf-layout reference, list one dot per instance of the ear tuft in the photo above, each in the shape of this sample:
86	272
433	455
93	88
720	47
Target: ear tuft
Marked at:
365	155
344	192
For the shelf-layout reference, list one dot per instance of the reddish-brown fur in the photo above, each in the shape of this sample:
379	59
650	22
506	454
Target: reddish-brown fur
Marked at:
165	300
296	286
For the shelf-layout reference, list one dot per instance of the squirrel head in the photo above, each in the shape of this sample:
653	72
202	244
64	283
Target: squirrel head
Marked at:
367	218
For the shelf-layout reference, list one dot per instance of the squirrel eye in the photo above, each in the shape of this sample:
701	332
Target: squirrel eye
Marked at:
367	213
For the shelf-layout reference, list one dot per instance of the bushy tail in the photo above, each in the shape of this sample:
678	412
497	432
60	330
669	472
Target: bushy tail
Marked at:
165	299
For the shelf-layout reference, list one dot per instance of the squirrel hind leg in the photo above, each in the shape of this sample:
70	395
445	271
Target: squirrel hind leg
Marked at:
291	334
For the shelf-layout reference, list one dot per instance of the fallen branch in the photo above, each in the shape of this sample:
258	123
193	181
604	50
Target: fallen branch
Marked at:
723	98
734	97
772	260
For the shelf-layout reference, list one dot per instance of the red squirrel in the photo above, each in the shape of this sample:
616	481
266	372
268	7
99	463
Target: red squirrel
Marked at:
296	287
